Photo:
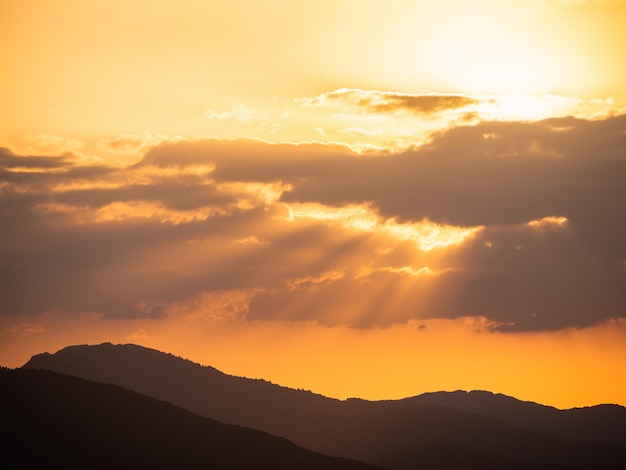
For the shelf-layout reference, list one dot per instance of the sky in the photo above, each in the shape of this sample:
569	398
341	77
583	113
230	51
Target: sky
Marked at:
359	198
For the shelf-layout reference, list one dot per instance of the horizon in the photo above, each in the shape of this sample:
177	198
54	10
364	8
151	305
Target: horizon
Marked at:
185	359
353	198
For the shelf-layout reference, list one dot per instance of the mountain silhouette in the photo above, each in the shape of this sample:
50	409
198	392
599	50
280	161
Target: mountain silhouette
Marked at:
397	434
52	419
605	422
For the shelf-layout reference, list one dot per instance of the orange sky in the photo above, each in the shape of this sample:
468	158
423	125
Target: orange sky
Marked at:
354	197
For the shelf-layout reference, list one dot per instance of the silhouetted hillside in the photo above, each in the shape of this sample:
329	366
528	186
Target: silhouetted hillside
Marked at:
400	434
55	420
605	423
443	456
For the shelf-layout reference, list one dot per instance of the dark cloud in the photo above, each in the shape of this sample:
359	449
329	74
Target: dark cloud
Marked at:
151	311
178	193
8	160
550	197
524	279
491	173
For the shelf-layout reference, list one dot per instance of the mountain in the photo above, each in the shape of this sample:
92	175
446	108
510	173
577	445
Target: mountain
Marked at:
397	434
605	423
51	419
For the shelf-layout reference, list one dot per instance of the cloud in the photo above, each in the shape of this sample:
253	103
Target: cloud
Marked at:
150	311
525	279
449	108
124	143
360	131
239	112
384	102
16	164
520	224
50	144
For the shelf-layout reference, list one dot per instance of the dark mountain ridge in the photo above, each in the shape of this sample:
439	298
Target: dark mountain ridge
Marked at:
396	433
604	422
56	420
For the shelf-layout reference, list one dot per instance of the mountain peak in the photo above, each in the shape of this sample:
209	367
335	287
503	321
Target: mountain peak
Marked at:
490	424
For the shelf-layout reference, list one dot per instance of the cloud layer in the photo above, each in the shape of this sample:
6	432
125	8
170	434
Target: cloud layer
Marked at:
518	223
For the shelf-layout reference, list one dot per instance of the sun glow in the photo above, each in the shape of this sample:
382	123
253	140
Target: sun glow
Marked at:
525	107
550	221
425	234
490	51
429	235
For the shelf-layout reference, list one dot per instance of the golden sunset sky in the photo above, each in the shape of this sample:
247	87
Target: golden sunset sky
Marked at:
366	198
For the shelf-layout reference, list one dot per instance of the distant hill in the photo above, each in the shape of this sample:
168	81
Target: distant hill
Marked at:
399	434
605	423
55	420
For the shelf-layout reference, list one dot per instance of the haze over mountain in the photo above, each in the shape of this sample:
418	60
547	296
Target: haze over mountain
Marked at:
55	420
398	434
